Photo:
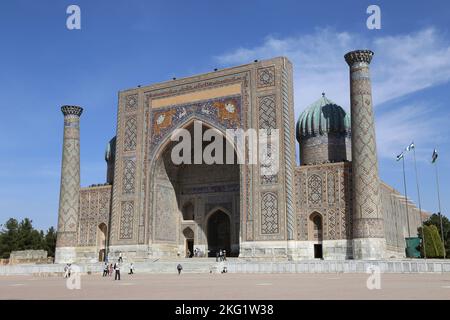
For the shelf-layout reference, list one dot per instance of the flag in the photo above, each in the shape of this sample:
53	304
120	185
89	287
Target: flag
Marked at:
410	147
434	156
400	156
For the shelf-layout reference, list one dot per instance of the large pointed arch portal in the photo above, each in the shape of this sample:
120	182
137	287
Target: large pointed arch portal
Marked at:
186	195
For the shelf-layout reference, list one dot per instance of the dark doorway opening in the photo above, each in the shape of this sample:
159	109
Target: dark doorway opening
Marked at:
189	248
218	233
318	251
101	255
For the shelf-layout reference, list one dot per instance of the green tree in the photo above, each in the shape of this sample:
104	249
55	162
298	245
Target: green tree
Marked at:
29	238
9	238
50	242
433	243
22	236
435	220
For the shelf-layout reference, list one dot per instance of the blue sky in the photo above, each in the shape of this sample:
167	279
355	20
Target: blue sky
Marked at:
123	44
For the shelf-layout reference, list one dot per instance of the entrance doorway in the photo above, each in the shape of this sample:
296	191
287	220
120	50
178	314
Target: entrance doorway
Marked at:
189	248
101	241
218	233
315	233
189	242
318	251
101	255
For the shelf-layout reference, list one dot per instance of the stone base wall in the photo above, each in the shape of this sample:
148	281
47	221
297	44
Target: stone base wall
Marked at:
243	266
369	248
264	250
28	256
129	253
65	255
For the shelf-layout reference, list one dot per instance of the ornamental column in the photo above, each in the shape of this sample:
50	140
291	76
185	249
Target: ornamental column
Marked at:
368	226
69	202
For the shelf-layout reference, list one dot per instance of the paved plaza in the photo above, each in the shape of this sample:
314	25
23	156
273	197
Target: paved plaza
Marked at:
229	286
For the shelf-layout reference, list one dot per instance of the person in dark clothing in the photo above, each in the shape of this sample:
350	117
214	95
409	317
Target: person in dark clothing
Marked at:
117	269
179	268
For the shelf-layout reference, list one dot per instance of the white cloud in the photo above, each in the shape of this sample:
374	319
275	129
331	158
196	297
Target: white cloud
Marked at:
403	64
397	128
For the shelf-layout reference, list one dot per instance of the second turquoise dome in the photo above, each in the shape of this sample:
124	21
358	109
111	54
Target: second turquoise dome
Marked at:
322	117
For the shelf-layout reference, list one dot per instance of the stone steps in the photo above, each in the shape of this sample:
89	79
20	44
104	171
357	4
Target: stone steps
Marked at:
207	265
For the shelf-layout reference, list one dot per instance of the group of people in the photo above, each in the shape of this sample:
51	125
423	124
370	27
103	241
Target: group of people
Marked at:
109	268
67	270
221	255
197	253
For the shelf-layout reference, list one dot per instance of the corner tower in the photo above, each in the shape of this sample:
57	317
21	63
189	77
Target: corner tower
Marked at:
69	203
368	225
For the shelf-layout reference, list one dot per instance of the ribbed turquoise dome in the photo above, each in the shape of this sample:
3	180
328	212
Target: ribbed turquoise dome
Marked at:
322	117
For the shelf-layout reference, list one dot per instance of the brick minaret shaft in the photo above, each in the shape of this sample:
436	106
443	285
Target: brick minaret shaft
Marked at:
368	225
70	184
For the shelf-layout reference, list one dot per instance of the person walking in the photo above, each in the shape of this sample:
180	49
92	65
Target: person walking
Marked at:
120	258
221	254
110	271
224	255
117	269
179	268
131	268
66	271
105	269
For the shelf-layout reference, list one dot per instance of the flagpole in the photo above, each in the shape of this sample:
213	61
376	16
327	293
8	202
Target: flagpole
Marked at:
420	205
406	196
439	206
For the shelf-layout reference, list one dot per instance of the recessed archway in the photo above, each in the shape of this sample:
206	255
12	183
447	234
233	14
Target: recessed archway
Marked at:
218	233
183	195
188	242
315	233
101	241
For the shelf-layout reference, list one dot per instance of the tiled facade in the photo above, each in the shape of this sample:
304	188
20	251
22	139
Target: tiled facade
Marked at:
152	207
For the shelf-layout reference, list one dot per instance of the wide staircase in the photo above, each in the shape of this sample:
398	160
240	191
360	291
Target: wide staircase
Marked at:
190	265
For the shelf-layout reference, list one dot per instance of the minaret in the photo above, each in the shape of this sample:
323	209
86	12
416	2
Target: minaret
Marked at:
368	226
69	202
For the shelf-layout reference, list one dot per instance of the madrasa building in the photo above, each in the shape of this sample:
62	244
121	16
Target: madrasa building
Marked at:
332	205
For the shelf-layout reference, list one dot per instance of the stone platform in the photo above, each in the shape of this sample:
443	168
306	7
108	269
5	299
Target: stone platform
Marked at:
209	265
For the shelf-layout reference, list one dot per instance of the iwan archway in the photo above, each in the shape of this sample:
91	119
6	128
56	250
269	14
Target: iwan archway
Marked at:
218	233
189	195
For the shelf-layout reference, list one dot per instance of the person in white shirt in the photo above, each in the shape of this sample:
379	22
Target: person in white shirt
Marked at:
131	268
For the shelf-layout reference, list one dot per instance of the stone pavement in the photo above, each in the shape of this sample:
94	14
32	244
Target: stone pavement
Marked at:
230	286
